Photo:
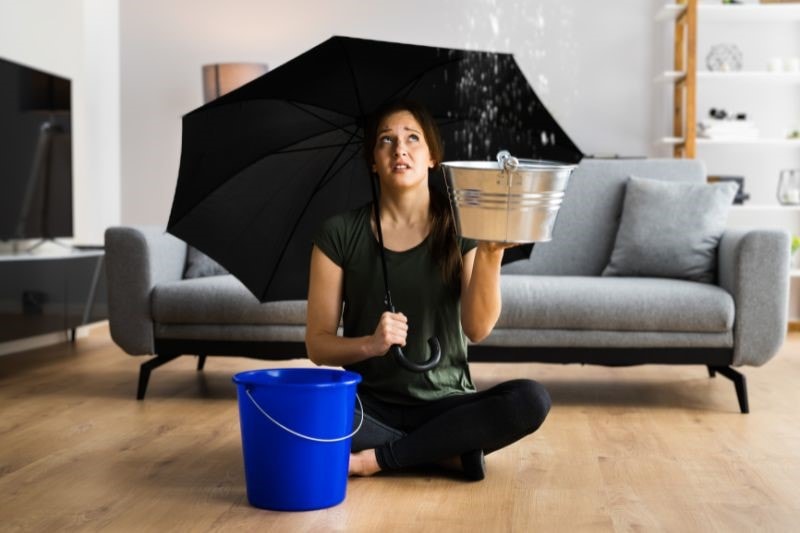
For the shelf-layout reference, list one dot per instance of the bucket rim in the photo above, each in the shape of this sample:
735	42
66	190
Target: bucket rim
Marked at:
248	377
524	164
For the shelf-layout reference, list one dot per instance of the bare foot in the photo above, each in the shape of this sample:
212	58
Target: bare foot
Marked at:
363	463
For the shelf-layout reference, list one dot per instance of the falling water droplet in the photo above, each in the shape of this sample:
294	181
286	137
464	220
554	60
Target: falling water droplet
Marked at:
495	24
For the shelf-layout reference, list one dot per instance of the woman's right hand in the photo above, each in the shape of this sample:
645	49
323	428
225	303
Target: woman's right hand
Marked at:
392	329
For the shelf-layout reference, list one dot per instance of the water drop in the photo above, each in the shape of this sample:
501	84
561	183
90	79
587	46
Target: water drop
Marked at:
495	24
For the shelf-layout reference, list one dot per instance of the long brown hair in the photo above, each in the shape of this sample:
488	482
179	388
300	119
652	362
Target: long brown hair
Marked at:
443	244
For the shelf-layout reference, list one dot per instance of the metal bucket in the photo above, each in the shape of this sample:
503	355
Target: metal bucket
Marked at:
513	200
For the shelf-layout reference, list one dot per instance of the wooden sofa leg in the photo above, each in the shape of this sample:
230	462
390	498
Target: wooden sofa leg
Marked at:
147	367
739	381
201	362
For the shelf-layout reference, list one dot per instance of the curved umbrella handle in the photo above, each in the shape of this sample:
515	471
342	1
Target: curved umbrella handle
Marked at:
436	356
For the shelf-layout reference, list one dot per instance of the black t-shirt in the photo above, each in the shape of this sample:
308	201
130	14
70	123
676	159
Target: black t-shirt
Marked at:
418	291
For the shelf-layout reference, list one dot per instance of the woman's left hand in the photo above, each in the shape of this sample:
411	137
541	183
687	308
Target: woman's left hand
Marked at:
491	246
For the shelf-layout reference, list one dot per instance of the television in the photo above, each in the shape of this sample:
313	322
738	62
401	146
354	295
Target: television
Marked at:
35	154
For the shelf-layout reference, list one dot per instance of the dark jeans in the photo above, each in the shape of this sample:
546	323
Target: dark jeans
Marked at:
422	434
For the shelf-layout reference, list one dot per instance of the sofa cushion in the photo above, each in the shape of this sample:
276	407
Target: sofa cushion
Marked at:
586	225
670	230
220	300
199	265
614	304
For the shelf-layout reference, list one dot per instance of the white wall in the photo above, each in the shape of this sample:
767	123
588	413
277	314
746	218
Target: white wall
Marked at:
100	205
591	64
77	39
135	67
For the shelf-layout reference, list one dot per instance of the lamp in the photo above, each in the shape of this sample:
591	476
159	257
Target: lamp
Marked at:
222	78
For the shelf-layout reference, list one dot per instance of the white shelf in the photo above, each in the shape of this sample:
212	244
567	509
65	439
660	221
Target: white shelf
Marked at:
744	13
750	142
749	12
670	11
751	75
733	142
794	273
766	207
672	76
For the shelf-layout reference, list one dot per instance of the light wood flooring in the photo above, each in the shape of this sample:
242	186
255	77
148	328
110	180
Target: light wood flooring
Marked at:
650	448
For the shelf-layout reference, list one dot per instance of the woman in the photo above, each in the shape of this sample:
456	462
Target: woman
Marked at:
444	285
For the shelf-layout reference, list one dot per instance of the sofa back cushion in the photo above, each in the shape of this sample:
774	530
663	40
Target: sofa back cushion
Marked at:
586	226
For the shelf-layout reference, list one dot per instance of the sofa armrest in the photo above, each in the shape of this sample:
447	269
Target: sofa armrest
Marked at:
137	259
754	269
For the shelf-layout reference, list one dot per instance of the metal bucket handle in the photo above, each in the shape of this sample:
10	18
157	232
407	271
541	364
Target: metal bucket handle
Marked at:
507	162
307	437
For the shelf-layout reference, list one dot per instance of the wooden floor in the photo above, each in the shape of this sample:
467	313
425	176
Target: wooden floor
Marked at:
624	449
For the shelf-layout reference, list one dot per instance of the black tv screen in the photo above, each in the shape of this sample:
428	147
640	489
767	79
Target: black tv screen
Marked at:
35	154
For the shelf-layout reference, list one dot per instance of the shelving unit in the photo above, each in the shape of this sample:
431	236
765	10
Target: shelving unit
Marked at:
721	13
685	75
761	32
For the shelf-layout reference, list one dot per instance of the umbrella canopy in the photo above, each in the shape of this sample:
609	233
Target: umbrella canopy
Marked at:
264	165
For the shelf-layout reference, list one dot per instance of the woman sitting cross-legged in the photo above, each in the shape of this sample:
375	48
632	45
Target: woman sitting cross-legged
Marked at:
445	286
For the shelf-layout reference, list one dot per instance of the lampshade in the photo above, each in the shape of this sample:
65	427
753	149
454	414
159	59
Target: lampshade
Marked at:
222	78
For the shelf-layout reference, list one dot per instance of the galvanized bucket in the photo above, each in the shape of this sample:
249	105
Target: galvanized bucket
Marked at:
513	200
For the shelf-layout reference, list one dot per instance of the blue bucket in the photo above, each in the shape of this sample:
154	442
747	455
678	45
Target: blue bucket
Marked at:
296	429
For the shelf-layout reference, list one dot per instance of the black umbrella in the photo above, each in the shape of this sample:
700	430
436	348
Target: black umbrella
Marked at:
262	166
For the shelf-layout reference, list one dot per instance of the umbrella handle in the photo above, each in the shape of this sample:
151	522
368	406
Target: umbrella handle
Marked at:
402	360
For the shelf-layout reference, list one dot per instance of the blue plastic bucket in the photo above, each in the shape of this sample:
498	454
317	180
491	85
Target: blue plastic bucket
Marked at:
296	429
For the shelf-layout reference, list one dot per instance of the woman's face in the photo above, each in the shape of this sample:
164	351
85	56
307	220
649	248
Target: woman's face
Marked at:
402	157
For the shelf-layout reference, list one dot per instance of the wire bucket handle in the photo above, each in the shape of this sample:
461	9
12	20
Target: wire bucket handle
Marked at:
307	437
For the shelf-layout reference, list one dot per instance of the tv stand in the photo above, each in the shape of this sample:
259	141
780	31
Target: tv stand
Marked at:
51	292
39	243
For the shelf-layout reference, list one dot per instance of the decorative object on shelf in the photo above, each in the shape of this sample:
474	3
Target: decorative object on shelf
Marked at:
793	252
222	78
722	114
775	64
741	196
722	125
783	64
794	134
789	186
724	58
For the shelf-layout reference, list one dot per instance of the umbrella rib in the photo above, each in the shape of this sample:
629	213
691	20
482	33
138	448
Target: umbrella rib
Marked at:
327	175
314	148
353	80
324	179
415	81
298	105
285	150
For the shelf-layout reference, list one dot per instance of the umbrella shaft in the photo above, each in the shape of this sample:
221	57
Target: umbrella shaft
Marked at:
376	203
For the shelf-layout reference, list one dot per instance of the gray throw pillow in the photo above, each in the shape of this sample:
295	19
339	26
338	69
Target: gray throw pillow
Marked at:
670	229
199	265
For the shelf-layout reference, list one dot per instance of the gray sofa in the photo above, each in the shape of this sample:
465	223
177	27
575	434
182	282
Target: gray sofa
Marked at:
557	307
